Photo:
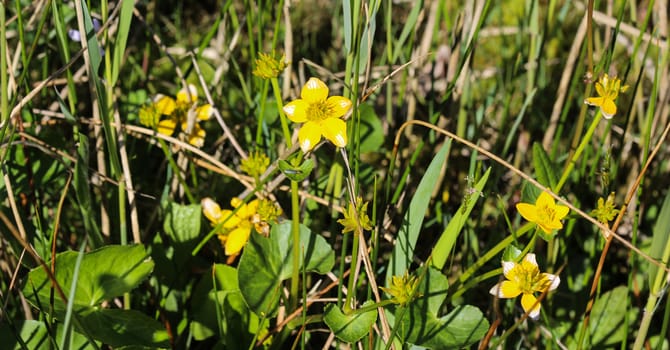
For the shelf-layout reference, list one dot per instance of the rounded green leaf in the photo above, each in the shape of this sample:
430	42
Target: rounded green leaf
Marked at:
349	328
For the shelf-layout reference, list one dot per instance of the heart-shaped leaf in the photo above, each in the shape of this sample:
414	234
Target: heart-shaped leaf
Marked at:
103	274
349	328
266	262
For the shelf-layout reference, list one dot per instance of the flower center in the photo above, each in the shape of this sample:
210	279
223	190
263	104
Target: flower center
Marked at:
546	214
526	279
318	111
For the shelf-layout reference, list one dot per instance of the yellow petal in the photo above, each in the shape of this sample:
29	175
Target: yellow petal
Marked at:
166	126
338	105
164	104
309	135
594	101
506	290
530	263
528	211
237	238
183	94
211	210
229	219
608	108
204	112
554	280
197	136
549	227
613	91
335	130
545	200
561	211
508	267
314	91
530	305
296	110
601	90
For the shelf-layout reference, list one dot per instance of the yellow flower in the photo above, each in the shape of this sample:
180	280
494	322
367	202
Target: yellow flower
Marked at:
403	289
268	67
608	90
320	114
234	227
545	213
606	210
355	215
181	111
525	278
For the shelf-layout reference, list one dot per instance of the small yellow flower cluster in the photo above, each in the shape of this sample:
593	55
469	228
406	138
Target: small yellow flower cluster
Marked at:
403	289
165	113
606	210
355	215
234	226
268	67
255	165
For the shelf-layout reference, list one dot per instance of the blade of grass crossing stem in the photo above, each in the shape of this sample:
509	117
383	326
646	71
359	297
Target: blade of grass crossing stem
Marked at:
125	17
403	251
448	238
67	323
82	192
94	59
409	28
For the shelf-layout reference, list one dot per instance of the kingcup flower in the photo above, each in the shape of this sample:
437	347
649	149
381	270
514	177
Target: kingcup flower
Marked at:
525	279
321	115
165	113
608	89
234	227
545	212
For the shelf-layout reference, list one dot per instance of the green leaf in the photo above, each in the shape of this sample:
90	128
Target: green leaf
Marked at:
372	132
659	241
450	234
35	335
349	328
607	317
182	222
403	252
105	273
296	173
125	17
82	192
266	262
421	326
544	169
124	327
463	326
237	322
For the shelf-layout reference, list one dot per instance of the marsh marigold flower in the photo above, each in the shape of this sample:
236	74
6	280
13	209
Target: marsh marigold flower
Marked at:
236	225
545	212
608	89
525	279
165	113
321	115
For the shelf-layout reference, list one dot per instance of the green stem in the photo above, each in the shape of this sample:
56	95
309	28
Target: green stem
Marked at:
582	145
280	108
4	100
295	232
486	257
352	276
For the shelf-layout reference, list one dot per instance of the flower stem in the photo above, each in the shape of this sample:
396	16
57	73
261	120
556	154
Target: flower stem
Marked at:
352	276
280	108
295	234
578	152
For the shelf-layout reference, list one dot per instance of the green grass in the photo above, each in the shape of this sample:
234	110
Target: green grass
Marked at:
458	113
